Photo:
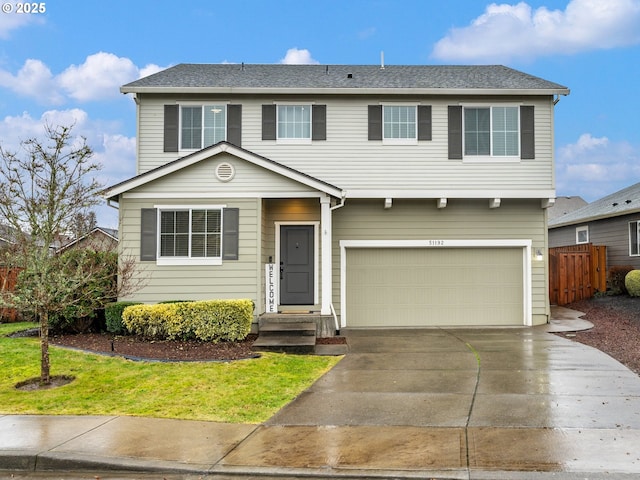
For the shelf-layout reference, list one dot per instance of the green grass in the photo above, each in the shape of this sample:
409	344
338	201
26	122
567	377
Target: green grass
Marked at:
244	391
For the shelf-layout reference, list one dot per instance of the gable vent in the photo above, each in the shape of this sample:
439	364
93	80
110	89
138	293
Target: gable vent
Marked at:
225	172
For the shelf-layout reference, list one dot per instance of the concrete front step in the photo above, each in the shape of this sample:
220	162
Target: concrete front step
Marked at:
303	328
289	337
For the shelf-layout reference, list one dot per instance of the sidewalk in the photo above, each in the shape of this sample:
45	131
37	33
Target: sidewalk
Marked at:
455	404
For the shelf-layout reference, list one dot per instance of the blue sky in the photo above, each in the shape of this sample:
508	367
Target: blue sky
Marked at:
66	64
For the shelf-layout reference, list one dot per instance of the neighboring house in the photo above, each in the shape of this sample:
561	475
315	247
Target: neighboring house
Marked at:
395	196
612	221
99	239
564	205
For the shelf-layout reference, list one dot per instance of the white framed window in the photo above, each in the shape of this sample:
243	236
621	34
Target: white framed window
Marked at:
399	122
582	234
202	125
294	122
634	239
491	131
190	235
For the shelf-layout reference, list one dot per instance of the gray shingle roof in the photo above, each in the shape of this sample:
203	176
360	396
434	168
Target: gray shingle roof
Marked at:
622	202
277	76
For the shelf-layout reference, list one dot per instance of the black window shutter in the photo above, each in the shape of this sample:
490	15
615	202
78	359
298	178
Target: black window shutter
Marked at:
375	122
527	133
171	122
148	236
230	236
424	122
234	124
455	132
319	122
268	122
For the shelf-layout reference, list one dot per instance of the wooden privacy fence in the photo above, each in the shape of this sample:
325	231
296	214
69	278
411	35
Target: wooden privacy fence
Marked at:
576	272
8	278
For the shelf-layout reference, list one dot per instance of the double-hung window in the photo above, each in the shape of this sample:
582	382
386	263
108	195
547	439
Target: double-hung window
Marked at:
399	122
294	122
492	131
634	239
202	126
190	235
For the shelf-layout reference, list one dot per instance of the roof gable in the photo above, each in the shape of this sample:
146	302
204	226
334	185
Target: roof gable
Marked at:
206	154
241	78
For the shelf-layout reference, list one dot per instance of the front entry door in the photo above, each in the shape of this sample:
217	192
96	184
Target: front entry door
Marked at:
296	265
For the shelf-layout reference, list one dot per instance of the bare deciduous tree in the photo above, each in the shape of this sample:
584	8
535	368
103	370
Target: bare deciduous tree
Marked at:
44	188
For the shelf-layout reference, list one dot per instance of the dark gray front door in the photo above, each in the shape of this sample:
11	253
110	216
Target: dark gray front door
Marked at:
296	265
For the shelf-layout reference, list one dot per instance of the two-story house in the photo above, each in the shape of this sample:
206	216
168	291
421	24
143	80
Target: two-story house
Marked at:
379	196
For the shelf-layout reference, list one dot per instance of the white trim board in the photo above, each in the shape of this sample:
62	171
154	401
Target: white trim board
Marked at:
525	244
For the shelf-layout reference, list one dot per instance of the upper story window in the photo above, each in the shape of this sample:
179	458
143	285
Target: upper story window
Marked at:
634	239
294	122
399	122
492	131
582	234
202	126
486	133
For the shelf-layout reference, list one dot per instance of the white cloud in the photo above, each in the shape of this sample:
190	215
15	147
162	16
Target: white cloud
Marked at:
98	78
13	21
506	32
594	167
295	56
34	80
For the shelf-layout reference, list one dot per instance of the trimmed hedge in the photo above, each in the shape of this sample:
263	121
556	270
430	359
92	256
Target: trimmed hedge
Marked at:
632	283
208	320
113	316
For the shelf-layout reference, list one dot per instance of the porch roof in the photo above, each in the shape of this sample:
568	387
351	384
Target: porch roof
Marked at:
114	191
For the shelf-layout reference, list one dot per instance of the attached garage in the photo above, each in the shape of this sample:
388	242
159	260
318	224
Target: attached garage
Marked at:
435	283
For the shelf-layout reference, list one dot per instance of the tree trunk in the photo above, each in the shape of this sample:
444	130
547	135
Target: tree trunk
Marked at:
45	377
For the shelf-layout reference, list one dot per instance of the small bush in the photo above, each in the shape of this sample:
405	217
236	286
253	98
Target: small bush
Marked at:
616	278
210	320
113	316
632	283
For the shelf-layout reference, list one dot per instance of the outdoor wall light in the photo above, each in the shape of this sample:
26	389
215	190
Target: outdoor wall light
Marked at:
538	255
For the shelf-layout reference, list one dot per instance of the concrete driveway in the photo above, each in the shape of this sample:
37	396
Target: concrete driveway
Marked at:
458	403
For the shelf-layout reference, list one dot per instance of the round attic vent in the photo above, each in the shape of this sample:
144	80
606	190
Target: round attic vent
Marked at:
225	172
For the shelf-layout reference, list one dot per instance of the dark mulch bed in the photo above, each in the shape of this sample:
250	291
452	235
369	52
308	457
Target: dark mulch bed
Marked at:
175	350
616	327
172	350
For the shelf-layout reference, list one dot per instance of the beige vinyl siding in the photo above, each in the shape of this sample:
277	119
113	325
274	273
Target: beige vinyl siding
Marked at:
233	279
346	153
460	220
249	179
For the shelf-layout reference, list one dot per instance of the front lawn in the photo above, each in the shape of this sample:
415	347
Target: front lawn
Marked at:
243	391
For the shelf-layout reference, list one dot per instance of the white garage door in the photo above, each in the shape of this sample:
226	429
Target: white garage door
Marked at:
415	287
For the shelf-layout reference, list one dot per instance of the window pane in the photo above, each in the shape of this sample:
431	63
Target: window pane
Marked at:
399	121
213	221
506	136
214	124
182	245
197	245
191	131
294	121
477	138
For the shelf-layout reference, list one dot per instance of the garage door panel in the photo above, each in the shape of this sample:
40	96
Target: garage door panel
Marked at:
409	287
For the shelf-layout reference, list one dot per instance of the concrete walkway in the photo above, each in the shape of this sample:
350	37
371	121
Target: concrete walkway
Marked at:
514	403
